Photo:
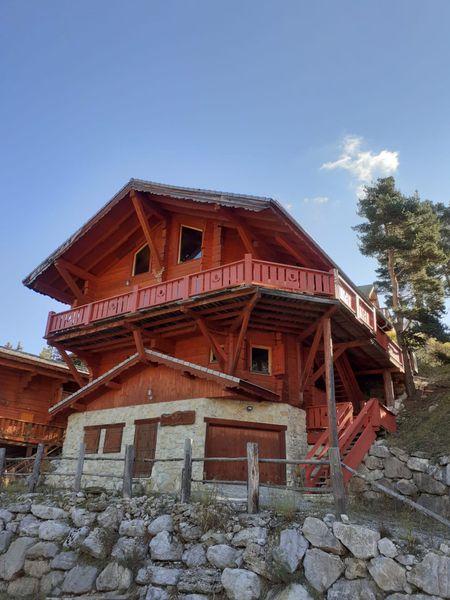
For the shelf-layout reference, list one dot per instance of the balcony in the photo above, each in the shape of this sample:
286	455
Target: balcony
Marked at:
24	432
246	272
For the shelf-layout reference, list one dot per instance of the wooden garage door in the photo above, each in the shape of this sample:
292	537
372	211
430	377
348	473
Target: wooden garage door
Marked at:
145	434
229	438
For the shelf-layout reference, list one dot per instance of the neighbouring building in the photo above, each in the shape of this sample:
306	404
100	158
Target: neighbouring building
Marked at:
205	314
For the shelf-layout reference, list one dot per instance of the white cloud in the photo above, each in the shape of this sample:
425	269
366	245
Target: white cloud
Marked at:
316	200
363	165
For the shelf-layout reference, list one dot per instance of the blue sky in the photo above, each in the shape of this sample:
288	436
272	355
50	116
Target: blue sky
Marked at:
251	97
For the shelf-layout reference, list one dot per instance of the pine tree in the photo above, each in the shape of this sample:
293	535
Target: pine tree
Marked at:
405	235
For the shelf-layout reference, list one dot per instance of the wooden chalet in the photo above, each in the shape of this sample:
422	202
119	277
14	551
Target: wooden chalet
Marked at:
207	315
29	386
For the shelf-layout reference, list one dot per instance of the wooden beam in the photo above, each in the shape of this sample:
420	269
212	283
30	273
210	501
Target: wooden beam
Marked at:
389	394
218	351
137	336
244	325
76	270
142	217
70	281
290	249
71	365
311	356
114	385
309	330
49	290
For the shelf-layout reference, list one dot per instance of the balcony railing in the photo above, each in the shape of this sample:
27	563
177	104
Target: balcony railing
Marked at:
15	430
248	271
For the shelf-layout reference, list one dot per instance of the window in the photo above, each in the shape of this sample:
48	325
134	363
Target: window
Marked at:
190	244
141	262
92	439
113	438
260	360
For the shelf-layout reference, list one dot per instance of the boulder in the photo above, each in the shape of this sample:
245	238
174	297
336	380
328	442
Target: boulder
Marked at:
387	548
163	575
407	560
11	563
438	504
250	535
223	556
82	517
361	541
188	532
195	556
95	544
154	593
379	451
80	579
211	538
51	513
432	575
322	569
24	587
418	464
133	528
53	531
357	589
114	577
76	537
294	591
200	581
129	549
388	574
36	568
5	540
406	487
320	536
20	507
355	568
50	581
64	561
240	584
110	518
161	523
42	550
29	525
256	559
165	546
396	469
5	515
428	484
290	551
399	453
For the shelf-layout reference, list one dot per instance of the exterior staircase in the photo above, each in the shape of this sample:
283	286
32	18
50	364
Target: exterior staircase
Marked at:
356	434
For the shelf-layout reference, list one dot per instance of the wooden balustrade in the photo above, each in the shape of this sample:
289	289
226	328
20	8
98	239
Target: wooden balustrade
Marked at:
24	431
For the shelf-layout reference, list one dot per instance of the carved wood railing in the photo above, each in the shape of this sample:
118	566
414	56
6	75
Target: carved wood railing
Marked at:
31	433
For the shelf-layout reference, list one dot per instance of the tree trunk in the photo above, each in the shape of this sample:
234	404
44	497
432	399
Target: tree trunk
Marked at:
409	376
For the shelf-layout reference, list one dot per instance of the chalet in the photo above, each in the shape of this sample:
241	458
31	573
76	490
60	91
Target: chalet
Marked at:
29	386
213	316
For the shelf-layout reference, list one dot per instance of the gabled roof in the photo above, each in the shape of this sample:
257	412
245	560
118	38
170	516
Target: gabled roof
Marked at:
227	381
19	359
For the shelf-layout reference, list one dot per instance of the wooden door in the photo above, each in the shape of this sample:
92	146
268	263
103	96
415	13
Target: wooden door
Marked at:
145	434
229	438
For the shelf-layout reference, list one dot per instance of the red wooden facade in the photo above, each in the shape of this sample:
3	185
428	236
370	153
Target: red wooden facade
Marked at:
232	284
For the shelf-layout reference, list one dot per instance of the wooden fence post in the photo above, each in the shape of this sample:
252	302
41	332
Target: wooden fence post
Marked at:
79	471
2	465
252	478
186	473
34	477
127	487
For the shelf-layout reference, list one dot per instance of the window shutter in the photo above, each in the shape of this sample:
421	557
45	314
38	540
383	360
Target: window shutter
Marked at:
91	439
113	438
278	360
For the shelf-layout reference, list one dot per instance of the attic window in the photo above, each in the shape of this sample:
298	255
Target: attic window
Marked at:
141	262
190	244
260	360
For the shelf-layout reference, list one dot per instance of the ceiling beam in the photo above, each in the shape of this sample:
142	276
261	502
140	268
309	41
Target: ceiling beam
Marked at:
142	217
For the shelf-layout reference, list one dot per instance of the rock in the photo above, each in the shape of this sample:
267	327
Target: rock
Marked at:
361	541
443	460
163	575
438	504
129	549
373	462
355	568
358	589
11	563
194	597
290	551
5	515
375	475
322	569
20	507
29	526
24	587
42	550
388	574
53	530
5	540
398	596
81	517
432	575
418	464
379	451
76	537
134	528
223	556
396	469
36	568
406	487
211	538
320	536
200	581
240	584
387	548
294	591
253	535
399	453
164	546
161	523
109	518
50	581
194	556
154	593
428	484
80	579
95	544
256	560
406	559
64	561
114	577
189	532
50	513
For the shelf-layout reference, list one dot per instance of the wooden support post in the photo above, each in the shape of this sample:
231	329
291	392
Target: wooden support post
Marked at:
389	395
2	465
71	365
79	471
186	474
337	480
127	487
34	477
252	478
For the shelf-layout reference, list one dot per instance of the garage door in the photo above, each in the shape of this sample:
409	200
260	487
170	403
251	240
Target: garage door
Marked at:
229	439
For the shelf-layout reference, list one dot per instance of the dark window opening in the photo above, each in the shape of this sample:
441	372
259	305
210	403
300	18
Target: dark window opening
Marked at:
190	244
260	360
142	261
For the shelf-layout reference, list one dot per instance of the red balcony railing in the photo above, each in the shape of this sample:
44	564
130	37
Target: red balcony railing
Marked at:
15	430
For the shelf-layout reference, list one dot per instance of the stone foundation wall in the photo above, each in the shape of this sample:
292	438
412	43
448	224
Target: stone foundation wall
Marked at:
170	439
415	475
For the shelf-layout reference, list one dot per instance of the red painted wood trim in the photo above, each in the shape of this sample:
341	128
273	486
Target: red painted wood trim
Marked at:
245	424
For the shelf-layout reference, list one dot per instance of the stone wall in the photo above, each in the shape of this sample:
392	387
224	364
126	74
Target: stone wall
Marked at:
415	475
170	439
145	548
